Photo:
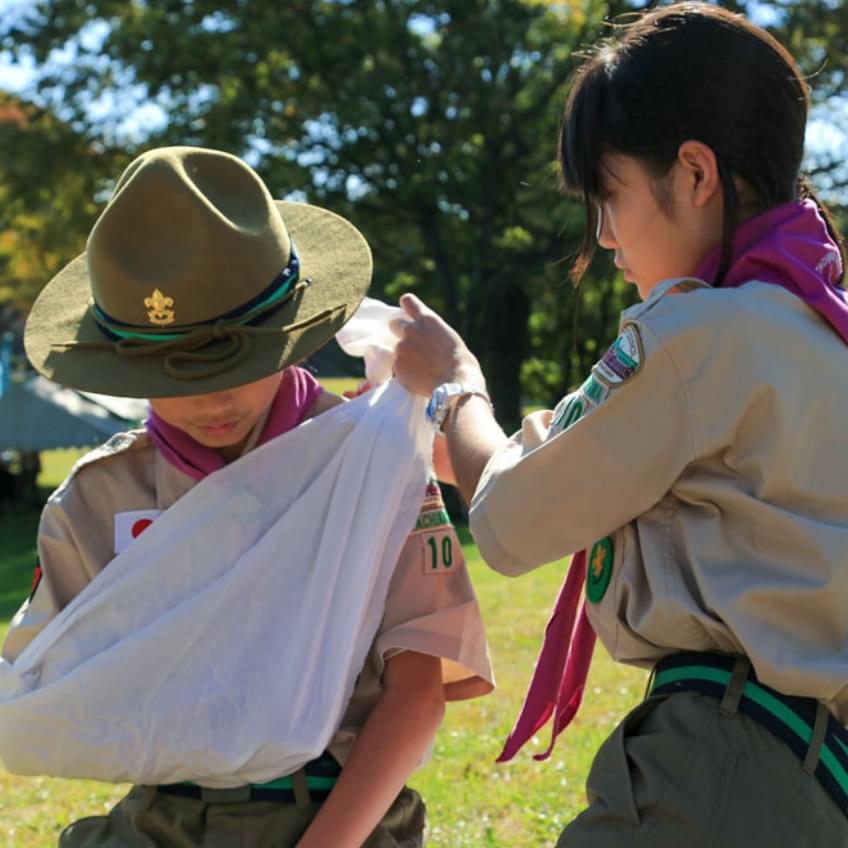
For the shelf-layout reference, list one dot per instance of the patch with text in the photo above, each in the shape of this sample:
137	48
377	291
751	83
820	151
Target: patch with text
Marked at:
440	551
622	360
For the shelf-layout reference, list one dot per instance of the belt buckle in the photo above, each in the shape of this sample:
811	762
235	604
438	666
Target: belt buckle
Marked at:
233	795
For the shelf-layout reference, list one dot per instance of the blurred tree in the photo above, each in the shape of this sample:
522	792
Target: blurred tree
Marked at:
431	123
49	178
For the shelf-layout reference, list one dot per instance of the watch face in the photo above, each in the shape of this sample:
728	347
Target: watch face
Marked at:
434	403
437	407
430	409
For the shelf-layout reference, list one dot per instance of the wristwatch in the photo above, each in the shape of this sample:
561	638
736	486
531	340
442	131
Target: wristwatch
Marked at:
445	396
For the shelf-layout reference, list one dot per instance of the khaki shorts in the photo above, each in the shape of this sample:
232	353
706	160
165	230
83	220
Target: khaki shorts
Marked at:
679	772
146	818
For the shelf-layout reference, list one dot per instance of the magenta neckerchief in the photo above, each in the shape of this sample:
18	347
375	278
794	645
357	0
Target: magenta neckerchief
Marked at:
561	669
298	391
788	246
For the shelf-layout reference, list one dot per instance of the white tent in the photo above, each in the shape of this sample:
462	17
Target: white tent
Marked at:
37	415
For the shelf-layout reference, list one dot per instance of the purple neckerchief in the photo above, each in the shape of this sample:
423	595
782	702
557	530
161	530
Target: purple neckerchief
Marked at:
296	394
788	246
561	669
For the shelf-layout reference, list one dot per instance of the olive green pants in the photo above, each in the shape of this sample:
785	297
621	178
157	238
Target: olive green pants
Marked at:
686	771
146	818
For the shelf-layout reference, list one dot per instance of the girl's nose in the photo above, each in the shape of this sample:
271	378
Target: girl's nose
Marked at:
603	233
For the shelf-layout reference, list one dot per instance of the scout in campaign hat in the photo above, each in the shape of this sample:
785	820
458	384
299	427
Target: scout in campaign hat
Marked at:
194	280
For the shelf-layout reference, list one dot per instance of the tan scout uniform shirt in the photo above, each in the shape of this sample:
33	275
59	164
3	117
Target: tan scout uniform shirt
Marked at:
718	469
113	491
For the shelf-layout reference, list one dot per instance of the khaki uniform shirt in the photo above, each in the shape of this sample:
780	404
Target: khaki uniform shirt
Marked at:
704	464
114	491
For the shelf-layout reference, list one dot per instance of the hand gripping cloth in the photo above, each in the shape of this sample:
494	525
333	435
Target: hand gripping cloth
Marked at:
222	645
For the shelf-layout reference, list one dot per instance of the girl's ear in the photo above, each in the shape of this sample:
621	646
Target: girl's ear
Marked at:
699	168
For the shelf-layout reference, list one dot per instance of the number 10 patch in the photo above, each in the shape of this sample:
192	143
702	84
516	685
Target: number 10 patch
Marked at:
439	551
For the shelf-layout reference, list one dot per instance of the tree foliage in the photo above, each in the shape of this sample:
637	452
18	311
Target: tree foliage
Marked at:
431	123
49	178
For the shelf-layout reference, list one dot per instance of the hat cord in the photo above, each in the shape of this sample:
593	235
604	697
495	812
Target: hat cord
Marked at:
185	351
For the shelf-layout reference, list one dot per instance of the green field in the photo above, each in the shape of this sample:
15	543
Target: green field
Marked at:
471	801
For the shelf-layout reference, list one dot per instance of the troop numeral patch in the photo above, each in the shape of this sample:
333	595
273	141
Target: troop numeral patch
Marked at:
440	552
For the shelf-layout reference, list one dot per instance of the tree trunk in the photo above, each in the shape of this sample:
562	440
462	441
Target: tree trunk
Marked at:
501	348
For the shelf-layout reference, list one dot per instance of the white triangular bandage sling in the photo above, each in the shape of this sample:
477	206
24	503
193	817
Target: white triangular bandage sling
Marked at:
223	644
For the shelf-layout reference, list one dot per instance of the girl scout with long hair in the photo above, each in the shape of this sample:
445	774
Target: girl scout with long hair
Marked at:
699	475
201	292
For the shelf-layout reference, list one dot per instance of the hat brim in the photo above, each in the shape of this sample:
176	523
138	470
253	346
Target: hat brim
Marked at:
333	255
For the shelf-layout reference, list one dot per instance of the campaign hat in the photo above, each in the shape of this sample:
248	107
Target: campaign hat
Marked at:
194	280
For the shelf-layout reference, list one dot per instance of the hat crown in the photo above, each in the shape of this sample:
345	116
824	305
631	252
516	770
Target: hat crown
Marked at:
189	234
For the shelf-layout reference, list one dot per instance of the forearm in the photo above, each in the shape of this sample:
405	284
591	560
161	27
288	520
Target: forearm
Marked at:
472	436
387	750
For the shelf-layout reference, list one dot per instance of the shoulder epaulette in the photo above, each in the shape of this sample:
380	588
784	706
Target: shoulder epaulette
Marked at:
119	443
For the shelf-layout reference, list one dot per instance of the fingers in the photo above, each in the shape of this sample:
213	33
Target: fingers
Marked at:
364	386
398	326
413	307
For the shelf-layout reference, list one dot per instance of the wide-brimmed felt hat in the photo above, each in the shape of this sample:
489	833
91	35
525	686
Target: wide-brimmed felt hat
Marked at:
195	280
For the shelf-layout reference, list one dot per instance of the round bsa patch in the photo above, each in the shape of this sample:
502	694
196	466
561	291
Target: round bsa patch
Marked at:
599	569
622	360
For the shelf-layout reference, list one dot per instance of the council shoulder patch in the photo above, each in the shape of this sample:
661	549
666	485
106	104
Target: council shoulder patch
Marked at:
433	514
440	549
622	360
599	569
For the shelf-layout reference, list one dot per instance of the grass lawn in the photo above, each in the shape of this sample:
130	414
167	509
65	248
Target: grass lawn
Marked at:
471	801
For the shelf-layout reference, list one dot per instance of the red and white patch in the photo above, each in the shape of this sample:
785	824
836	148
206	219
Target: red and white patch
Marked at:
130	525
36	580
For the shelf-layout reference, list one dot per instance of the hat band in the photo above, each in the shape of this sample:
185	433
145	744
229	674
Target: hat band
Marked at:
187	353
274	295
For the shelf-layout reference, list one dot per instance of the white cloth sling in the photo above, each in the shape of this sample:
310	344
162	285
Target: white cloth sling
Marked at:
367	335
223	644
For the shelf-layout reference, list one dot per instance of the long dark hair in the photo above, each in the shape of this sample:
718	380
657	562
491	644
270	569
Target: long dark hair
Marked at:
690	71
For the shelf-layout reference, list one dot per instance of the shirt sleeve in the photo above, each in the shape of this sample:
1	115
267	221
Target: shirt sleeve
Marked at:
607	454
59	575
431	608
